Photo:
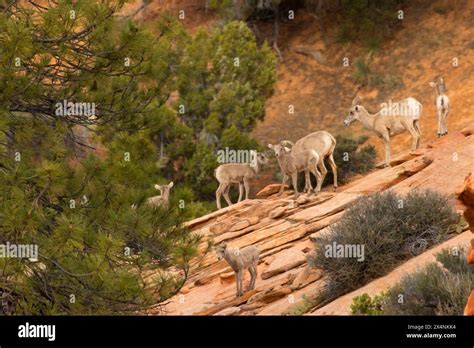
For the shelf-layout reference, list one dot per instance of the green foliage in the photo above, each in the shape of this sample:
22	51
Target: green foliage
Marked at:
78	210
391	228
437	289
365	305
223	82
368	22
224	79
352	158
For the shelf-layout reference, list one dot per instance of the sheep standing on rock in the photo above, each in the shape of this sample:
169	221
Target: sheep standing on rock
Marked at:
239	173
240	260
292	163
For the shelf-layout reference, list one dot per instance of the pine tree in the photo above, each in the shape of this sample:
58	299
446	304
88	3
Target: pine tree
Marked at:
94	250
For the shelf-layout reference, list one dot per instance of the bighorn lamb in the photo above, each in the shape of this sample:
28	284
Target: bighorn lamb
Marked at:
291	163
161	200
324	144
240	260
393	119
442	106
240	173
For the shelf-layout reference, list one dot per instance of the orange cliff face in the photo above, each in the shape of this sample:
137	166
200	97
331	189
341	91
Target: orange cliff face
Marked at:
284	230
466	195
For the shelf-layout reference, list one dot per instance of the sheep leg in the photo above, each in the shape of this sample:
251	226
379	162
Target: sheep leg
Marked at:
285	178
253	277
239	279
415	136
386	141
440	131
226	194
445	122
418	131
307	182
247	188
241	191
319	177
323	170
333	166
219	194
294	180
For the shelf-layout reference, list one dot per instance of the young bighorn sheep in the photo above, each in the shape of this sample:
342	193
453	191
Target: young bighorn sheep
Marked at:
393	119
161	200
240	260
292	163
324	144
237	173
442	106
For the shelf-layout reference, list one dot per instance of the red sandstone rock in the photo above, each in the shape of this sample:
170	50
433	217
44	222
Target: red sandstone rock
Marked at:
469	310
269	190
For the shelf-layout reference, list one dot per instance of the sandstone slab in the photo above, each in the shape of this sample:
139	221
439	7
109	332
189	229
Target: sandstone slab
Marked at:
284	261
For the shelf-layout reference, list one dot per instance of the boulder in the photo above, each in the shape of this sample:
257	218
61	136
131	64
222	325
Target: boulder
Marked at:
470	253
302	199
184	290
469	310
269	190
466	192
284	261
229	311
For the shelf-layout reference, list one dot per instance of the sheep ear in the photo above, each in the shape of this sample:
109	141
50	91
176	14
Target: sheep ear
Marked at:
158	187
170	184
432	84
356	100
287	150
270	146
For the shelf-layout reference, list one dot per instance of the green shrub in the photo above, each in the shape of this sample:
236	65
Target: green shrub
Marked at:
365	305
368	22
435	289
352	158
390	228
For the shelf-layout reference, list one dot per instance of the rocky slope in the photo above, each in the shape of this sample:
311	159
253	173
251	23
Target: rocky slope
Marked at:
283	229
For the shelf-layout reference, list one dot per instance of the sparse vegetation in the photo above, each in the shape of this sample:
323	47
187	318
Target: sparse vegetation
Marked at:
437	289
352	157
390	227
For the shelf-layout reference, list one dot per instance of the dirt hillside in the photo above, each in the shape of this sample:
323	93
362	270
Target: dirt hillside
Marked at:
320	89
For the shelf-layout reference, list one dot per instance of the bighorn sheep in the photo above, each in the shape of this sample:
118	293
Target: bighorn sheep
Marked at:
391	120
292	163
161	200
240	260
240	173
324	144
442	106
